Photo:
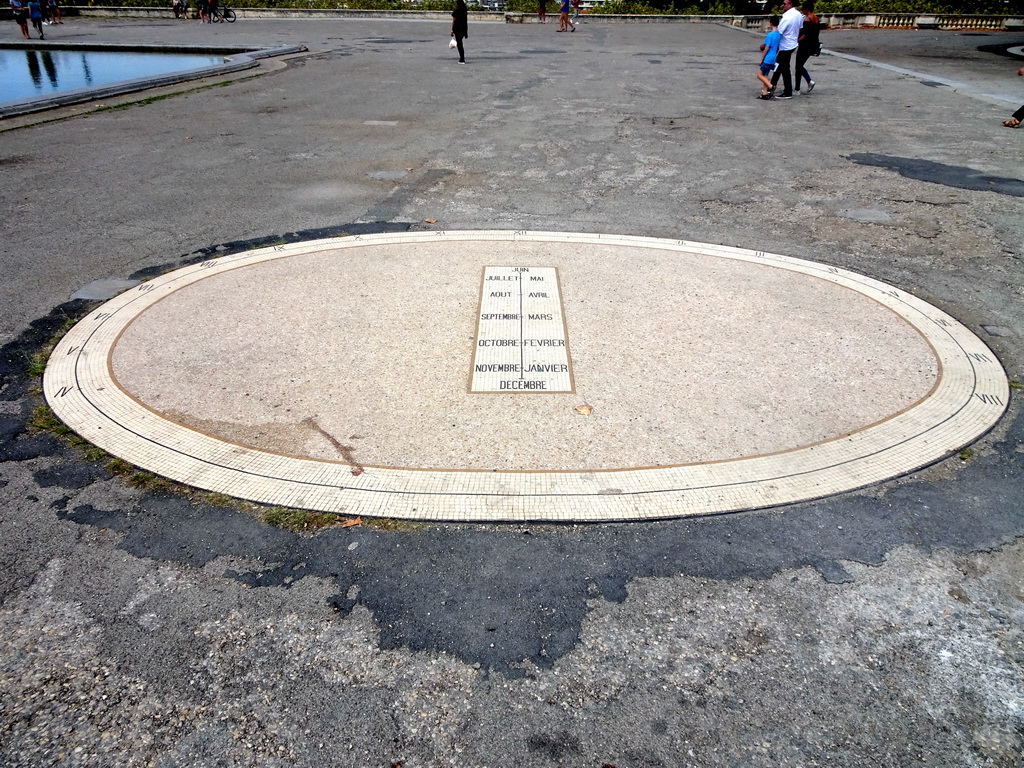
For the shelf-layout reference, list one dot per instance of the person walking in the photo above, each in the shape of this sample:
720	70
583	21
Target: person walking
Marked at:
808	45
563	17
542	11
460	27
789	29
770	46
36	16
1015	119
575	12
20	13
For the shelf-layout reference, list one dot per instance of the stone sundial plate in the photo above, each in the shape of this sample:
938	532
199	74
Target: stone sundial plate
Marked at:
441	376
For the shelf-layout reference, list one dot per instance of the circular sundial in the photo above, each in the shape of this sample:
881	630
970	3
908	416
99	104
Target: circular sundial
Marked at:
494	375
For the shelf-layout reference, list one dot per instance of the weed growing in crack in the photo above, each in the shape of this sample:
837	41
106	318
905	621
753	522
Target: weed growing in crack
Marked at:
44	420
391	524
37	365
141	479
297	520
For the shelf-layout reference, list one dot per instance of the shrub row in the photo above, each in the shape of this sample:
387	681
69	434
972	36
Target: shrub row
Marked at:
744	7
638	7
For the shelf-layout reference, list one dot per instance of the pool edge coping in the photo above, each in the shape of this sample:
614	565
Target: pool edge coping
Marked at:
241	58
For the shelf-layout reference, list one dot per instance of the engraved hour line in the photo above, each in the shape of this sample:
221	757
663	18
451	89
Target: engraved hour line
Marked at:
522	330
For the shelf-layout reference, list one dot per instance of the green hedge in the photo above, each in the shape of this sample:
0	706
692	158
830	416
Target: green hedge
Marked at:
638	7
746	7
724	8
355	5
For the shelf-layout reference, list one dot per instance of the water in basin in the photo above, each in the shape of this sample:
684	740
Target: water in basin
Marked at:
31	74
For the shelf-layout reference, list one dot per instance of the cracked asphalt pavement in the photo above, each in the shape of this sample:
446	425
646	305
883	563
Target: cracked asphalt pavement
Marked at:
883	627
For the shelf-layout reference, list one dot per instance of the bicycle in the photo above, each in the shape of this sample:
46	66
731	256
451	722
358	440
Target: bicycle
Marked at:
220	13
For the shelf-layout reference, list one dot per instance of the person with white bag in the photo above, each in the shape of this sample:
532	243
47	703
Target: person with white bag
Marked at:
460	28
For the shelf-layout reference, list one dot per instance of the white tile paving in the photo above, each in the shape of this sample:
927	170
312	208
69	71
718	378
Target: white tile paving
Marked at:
969	396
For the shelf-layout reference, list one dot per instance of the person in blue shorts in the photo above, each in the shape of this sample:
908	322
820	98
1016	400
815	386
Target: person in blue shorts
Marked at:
770	46
563	18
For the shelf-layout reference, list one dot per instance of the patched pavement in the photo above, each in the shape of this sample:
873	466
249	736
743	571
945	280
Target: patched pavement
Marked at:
879	627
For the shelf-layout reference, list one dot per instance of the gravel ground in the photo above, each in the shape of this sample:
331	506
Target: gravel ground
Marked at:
880	628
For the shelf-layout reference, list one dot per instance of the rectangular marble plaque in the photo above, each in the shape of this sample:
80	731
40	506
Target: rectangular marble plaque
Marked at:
521	345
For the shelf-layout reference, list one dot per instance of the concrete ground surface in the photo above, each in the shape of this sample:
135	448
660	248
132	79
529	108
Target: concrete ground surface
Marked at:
881	628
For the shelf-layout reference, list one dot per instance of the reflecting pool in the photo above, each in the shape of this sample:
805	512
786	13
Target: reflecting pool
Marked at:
31	74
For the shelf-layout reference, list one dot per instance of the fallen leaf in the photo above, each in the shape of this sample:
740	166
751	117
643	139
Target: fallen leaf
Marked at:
352	521
431	221
584	410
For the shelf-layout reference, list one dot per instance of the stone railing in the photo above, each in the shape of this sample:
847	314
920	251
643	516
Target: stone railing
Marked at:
885	21
512	17
922	21
836	21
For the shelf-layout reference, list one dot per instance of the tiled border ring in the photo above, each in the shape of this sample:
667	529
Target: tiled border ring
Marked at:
971	394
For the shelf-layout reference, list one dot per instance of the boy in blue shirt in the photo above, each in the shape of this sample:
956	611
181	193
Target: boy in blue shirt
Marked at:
770	46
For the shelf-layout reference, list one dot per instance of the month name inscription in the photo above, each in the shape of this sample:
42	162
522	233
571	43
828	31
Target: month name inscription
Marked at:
521	344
